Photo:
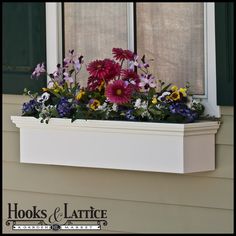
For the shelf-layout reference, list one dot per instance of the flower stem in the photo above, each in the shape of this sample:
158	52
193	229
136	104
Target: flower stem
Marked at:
121	65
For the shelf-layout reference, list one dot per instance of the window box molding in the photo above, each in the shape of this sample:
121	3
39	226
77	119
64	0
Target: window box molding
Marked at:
124	145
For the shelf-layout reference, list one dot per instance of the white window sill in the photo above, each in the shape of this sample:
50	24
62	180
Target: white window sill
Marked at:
140	146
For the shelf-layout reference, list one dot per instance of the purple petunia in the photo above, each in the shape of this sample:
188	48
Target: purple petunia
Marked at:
29	107
129	115
183	110
64	107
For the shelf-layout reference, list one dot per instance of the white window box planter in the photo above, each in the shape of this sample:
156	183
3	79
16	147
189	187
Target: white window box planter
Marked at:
142	146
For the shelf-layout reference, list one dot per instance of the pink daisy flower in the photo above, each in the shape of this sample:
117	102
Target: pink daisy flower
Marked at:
98	69
120	54
118	92
114	69
94	83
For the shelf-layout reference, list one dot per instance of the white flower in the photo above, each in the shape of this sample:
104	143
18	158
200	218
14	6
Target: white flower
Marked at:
162	97
195	100
44	97
102	107
114	107
137	103
144	105
147	114
46	110
140	104
190	101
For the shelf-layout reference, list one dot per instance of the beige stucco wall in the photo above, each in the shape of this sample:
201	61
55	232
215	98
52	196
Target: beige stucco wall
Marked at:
135	201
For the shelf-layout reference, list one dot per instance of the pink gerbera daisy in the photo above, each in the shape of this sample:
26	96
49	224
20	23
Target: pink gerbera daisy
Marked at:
120	54
118	92
114	69
94	83
98	69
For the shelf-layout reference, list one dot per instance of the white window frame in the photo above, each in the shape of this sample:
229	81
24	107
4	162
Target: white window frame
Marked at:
209	99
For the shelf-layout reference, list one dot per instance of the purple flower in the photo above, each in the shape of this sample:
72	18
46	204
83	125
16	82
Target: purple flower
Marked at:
78	63
64	107
183	110
129	115
70	58
136	63
39	70
57	75
68	78
144	64
29	107
147	82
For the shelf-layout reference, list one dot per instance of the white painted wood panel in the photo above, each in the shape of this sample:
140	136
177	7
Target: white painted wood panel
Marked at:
143	146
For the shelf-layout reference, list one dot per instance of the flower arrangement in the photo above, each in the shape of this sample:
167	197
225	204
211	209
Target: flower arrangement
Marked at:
121	88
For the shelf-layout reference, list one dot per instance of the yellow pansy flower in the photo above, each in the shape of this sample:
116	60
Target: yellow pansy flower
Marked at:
174	88
154	100
94	104
175	96
183	91
80	95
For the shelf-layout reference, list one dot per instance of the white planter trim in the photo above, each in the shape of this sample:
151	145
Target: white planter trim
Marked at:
145	146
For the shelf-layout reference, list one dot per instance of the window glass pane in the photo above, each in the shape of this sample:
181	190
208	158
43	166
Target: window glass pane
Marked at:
173	35
93	29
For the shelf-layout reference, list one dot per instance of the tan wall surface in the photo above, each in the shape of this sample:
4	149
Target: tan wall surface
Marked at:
135	201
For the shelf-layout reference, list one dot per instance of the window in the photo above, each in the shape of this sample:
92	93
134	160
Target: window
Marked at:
180	37
173	34
94	29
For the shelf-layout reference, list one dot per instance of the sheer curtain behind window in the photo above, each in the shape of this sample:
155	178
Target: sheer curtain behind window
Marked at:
93	29
173	35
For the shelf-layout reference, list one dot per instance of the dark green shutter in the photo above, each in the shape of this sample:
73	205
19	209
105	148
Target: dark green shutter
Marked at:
224	23
24	45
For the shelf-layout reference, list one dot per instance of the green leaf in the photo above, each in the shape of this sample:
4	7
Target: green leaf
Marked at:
166	87
151	93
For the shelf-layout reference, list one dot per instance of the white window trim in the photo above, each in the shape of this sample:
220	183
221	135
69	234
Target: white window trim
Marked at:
210	98
53	35
54	48
130	24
